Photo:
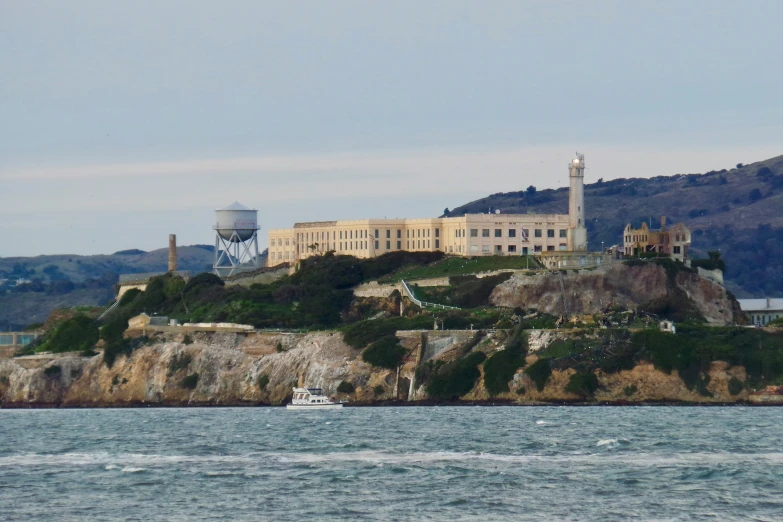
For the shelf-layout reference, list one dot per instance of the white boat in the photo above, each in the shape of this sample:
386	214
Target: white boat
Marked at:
312	399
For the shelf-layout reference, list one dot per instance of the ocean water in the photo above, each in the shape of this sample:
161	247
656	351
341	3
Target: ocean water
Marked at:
418	463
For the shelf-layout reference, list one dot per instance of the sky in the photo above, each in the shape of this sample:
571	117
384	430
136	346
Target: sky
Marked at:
123	122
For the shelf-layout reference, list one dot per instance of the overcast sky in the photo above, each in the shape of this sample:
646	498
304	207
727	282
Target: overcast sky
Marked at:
122	122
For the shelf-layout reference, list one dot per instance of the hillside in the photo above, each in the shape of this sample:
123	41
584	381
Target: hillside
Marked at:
739	211
71	280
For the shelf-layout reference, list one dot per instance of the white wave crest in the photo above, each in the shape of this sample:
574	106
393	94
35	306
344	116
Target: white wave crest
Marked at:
131	469
607	442
541	422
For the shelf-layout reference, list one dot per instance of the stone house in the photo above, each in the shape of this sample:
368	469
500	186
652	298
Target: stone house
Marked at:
674	241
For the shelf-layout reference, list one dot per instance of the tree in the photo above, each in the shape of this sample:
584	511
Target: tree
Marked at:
531	191
739	165
755	195
446	212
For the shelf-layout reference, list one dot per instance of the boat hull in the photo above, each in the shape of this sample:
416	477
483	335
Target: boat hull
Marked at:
335	406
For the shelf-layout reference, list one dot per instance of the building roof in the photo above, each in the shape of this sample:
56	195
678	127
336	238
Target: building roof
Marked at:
236	206
760	305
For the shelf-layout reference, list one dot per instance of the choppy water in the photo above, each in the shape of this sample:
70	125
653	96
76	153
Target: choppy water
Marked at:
438	463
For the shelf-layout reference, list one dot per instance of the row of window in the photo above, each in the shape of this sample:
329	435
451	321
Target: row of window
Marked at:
524	232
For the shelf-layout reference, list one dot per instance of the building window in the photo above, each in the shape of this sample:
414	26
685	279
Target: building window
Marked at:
498	249
437	243
676	250
524	251
376	245
512	232
563	233
485	232
451	249
537	248
388	245
399	234
550	248
473	232
512	248
498	232
485	249
408	245
428	243
563	247
474	248
456	232
376	232
538	232
437	232
388	233
550	233
399	244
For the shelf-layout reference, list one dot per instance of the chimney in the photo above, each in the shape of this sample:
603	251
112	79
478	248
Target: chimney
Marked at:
769	302
172	252
663	223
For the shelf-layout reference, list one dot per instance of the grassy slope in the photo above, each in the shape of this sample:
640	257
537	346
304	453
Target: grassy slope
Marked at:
731	218
460	266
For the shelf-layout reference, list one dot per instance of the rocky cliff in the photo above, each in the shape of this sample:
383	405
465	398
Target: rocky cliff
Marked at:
234	369
645	285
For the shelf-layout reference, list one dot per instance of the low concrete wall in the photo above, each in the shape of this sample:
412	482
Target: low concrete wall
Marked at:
6	352
373	289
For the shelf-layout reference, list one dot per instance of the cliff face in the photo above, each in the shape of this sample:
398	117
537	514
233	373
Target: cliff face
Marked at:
228	365
591	292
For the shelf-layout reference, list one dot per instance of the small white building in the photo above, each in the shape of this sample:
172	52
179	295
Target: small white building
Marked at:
762	311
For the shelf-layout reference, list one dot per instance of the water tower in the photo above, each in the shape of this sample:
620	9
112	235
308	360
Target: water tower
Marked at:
236	240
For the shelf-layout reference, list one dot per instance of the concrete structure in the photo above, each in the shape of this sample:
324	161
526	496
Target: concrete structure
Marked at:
762	311
140	281
673	241
10	342
236	240
172	252
468	235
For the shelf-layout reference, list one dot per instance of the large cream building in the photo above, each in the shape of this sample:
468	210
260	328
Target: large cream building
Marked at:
468	235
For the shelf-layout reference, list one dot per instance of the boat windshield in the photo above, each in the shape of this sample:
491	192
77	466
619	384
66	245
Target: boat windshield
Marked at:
315	391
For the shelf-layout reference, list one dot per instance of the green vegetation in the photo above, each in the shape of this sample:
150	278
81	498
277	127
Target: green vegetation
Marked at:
262	381
187	339
345	387
501	366
735	386
378	390
190	382
455	266
180	361
539	372
53	371
455	379
78	334
384	353
582	384
363	333
630	390
465	291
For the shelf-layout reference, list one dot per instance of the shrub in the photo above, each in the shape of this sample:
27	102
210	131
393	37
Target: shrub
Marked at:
384	353
755	195
280	348
345	387
363	333
378	390
263	380
128	297
735	386
53	371
456	378
582	384
190	382
630	390
78	334
187	339
539	372
501	366
180	361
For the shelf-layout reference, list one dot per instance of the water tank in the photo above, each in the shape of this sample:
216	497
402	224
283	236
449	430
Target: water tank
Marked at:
236	218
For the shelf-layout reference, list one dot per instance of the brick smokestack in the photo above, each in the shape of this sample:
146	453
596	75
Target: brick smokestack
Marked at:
172	252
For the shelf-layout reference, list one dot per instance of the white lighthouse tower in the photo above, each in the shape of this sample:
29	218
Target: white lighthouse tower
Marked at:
577	233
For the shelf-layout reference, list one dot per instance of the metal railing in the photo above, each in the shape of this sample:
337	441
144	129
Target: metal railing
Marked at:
424	304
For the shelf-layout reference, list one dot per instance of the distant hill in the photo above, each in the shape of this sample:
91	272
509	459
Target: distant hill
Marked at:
739	211
71	280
